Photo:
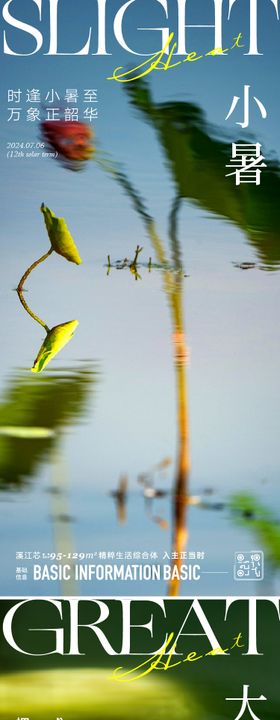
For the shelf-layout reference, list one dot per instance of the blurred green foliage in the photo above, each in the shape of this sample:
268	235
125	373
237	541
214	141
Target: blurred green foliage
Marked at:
53	401
252	514
197	158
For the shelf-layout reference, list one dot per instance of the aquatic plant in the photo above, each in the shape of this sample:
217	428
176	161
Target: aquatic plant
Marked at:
63	244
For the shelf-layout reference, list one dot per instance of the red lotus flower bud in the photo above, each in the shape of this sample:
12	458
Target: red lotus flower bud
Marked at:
72	140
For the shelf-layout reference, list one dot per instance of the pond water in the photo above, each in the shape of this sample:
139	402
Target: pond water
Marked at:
107	403
155	429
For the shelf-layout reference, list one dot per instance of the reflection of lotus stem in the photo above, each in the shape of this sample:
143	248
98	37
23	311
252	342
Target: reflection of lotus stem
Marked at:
173	232
32	267
109	264
174	290
61	521
32	314
172	280
181	489
20	289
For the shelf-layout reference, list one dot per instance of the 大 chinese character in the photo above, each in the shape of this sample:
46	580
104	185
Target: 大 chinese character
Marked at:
247	161
246	120
246	704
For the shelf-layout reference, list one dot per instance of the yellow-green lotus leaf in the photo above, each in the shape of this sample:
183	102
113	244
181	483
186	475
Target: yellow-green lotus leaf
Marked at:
55	340
60	238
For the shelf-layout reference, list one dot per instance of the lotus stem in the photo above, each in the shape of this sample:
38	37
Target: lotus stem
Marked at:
172	280
32	267
29	311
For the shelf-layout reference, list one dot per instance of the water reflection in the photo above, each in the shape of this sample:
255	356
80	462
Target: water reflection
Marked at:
120	497
72	142
55	341
251	513
196	160
63	244
196	155
87	692
61	519
131	265
173	277
57	400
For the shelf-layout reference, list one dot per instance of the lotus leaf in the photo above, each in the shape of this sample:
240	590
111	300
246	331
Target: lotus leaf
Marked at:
55	340
60	238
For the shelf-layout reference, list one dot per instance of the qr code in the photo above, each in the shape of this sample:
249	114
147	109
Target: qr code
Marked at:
249	565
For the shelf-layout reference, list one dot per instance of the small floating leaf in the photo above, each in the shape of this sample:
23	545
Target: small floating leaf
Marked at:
60	238
55	340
